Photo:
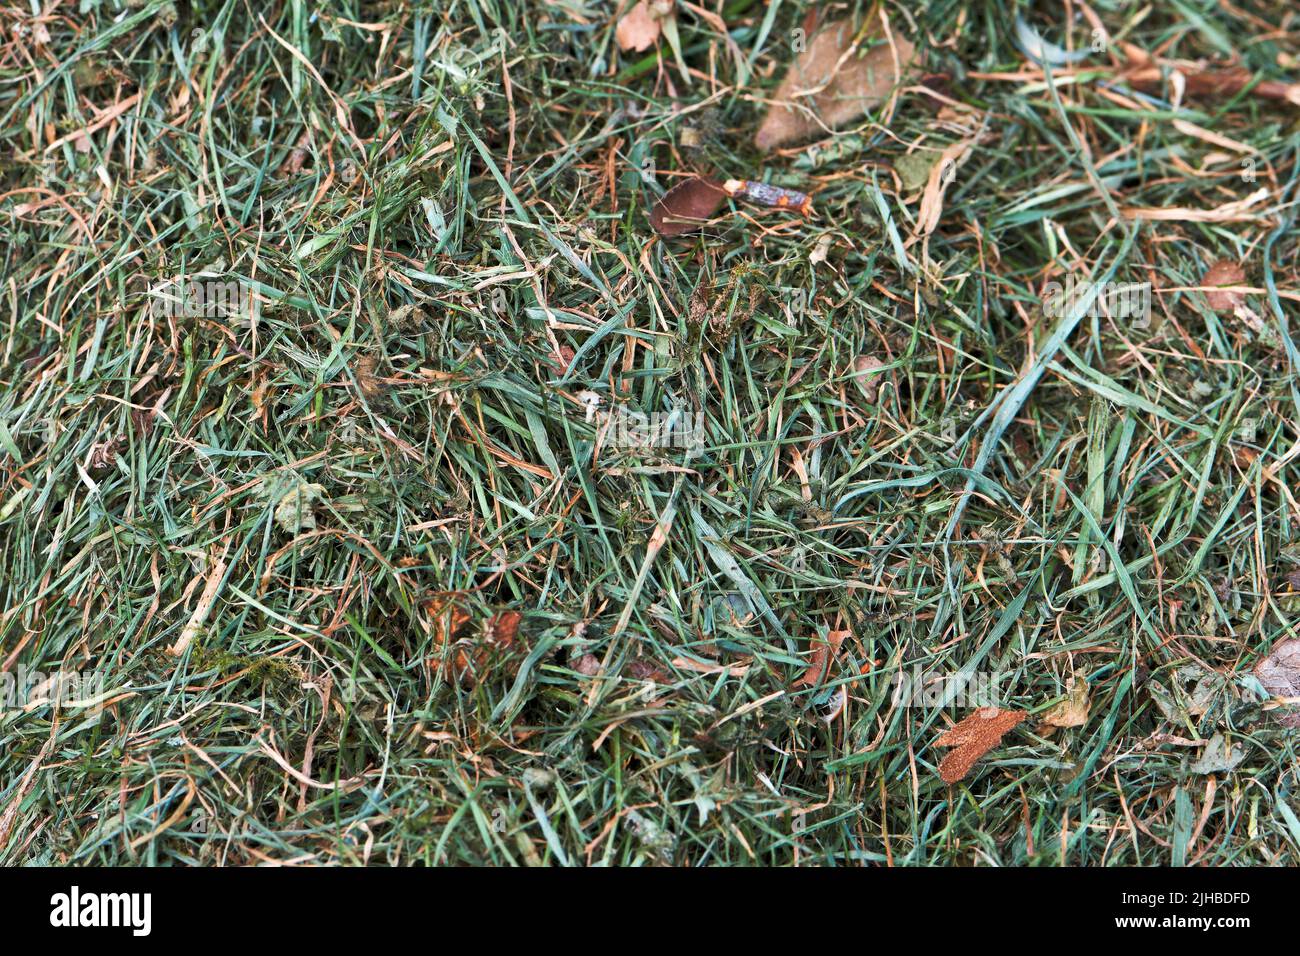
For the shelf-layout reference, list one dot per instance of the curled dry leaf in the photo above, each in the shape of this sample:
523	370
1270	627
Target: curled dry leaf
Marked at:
822	249
104	453
561	358
1224	273
686	206
299	156
367	373
838	83
975	736
1280	675
1071	712
940	177
836	706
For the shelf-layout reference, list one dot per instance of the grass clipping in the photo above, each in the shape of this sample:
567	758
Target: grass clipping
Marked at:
843	73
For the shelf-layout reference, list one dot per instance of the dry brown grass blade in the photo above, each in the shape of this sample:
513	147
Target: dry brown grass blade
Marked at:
1200	82
1238	210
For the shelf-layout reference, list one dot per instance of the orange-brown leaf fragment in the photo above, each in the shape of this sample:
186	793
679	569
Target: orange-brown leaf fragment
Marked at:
1224	272
638	29
447	617
836	87
972	738
503	629
472	653
823	652
1280	675
686	206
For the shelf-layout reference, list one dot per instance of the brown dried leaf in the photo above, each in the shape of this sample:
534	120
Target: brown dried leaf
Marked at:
942	174
846	87
104	454
447	622
1071	712
367	373
686	206
500	636
641	669
864	377
560	358
1280	675
1224	272
447	617
823	652
639	29
298	156
258	397
503	629
975	736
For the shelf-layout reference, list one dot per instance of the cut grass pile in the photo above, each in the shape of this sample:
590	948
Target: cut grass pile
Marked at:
357	572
